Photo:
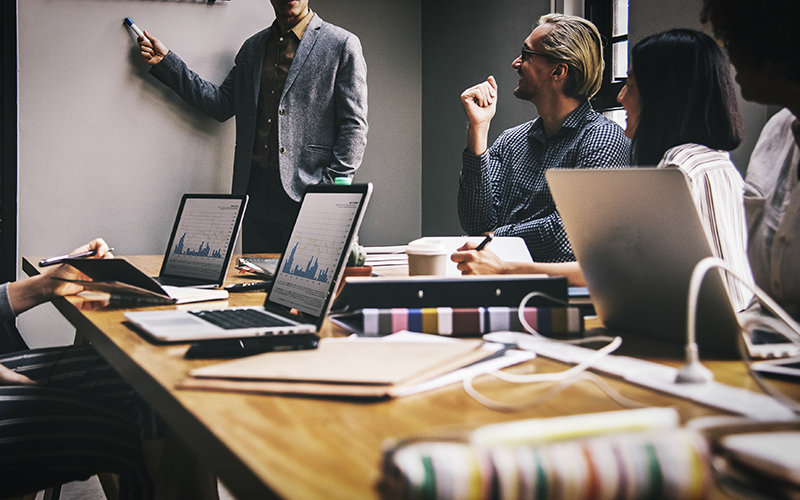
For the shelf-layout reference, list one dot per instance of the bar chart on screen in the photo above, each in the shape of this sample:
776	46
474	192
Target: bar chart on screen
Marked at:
315	249
202	251
317	246
202	236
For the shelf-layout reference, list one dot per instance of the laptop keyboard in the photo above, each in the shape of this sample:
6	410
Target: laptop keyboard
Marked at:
233	319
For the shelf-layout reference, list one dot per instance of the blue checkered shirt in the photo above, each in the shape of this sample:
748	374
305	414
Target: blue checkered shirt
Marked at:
505	190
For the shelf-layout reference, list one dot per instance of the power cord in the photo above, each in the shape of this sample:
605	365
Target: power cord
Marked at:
532	331
749	321
564	379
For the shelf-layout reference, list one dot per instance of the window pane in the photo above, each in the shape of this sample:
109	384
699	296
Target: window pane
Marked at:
620	18
619	61
617	116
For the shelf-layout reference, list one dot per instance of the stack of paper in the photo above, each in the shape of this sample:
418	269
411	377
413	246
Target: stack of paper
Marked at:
357	367
386	256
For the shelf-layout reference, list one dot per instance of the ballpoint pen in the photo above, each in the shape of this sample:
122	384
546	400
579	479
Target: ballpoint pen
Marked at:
483	243
61	258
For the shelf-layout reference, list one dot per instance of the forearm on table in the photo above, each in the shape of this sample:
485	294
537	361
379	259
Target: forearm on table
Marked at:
570	270
27	293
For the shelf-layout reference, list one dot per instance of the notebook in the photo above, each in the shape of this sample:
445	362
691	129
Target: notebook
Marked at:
347	367
130	286
637	236
202	239
304	284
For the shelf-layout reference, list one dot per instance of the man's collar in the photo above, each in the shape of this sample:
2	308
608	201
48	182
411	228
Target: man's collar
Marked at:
298	29
796	131
574	119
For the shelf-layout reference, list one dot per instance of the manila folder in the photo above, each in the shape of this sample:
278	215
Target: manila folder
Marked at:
340	367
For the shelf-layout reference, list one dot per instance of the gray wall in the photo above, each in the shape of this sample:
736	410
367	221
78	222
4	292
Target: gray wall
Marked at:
465	41
105	150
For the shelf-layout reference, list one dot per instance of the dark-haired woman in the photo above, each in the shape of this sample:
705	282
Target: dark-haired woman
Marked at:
682	113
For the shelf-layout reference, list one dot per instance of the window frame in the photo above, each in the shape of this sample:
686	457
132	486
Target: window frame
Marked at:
601	14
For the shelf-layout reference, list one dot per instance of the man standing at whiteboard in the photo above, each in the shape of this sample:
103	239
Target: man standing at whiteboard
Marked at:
299	93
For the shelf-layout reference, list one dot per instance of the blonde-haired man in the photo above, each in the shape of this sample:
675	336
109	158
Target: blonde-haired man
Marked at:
502	188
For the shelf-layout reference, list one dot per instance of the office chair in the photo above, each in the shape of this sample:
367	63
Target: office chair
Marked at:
10	338
11	341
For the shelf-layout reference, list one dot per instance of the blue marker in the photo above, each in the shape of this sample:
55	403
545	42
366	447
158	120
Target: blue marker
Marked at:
135	28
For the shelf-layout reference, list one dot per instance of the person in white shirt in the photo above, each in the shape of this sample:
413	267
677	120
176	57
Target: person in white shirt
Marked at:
765	56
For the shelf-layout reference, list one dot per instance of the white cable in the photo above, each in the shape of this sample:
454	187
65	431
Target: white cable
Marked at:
751	322
709	262
693	372
564	375
532	331
564	378
553	392
578	372
748	322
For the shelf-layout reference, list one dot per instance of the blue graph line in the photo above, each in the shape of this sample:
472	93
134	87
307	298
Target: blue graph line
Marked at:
309	272
203	251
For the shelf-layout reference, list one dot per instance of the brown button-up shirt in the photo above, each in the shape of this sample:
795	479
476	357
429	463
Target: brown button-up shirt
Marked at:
281	48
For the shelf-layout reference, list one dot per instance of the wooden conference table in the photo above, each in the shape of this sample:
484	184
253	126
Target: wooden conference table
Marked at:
293	447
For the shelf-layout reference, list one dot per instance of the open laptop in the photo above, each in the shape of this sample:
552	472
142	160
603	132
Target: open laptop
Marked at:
202	239
637	236
304	284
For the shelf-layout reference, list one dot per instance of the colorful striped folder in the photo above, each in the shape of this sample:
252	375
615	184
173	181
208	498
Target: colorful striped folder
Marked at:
461	322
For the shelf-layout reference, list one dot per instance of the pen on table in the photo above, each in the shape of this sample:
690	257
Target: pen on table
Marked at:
252	267
483	243
61	258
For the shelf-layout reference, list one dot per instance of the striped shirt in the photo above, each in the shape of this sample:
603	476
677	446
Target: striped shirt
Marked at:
718	192
505	189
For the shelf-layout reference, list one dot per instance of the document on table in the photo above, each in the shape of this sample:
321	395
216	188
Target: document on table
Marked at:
397	365
394	255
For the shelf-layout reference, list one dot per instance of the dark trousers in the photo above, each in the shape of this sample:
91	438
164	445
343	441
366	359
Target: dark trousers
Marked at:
81	419
270	214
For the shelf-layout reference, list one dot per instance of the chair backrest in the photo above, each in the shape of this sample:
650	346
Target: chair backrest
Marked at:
10	338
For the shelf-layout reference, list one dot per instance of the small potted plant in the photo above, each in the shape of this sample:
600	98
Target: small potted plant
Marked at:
355	262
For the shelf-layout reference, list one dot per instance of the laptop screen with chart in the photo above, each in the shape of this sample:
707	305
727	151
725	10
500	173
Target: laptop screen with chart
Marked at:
304	284
316	247
202	239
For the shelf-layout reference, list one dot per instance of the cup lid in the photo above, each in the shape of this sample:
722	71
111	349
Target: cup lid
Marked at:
422	247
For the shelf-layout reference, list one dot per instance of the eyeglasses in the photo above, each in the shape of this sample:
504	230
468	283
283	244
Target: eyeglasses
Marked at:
526	53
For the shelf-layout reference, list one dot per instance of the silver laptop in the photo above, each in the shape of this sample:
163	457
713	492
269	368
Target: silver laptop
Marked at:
637	236
304	284
201	244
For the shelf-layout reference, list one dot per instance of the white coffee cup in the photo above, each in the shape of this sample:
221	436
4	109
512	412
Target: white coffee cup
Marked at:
426	258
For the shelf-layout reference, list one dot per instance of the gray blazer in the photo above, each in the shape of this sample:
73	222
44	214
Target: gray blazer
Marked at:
322	117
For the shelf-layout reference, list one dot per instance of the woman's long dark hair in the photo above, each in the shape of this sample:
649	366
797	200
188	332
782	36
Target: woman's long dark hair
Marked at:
686	95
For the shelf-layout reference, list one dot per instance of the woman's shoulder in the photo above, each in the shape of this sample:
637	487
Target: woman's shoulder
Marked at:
697	160
688	155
